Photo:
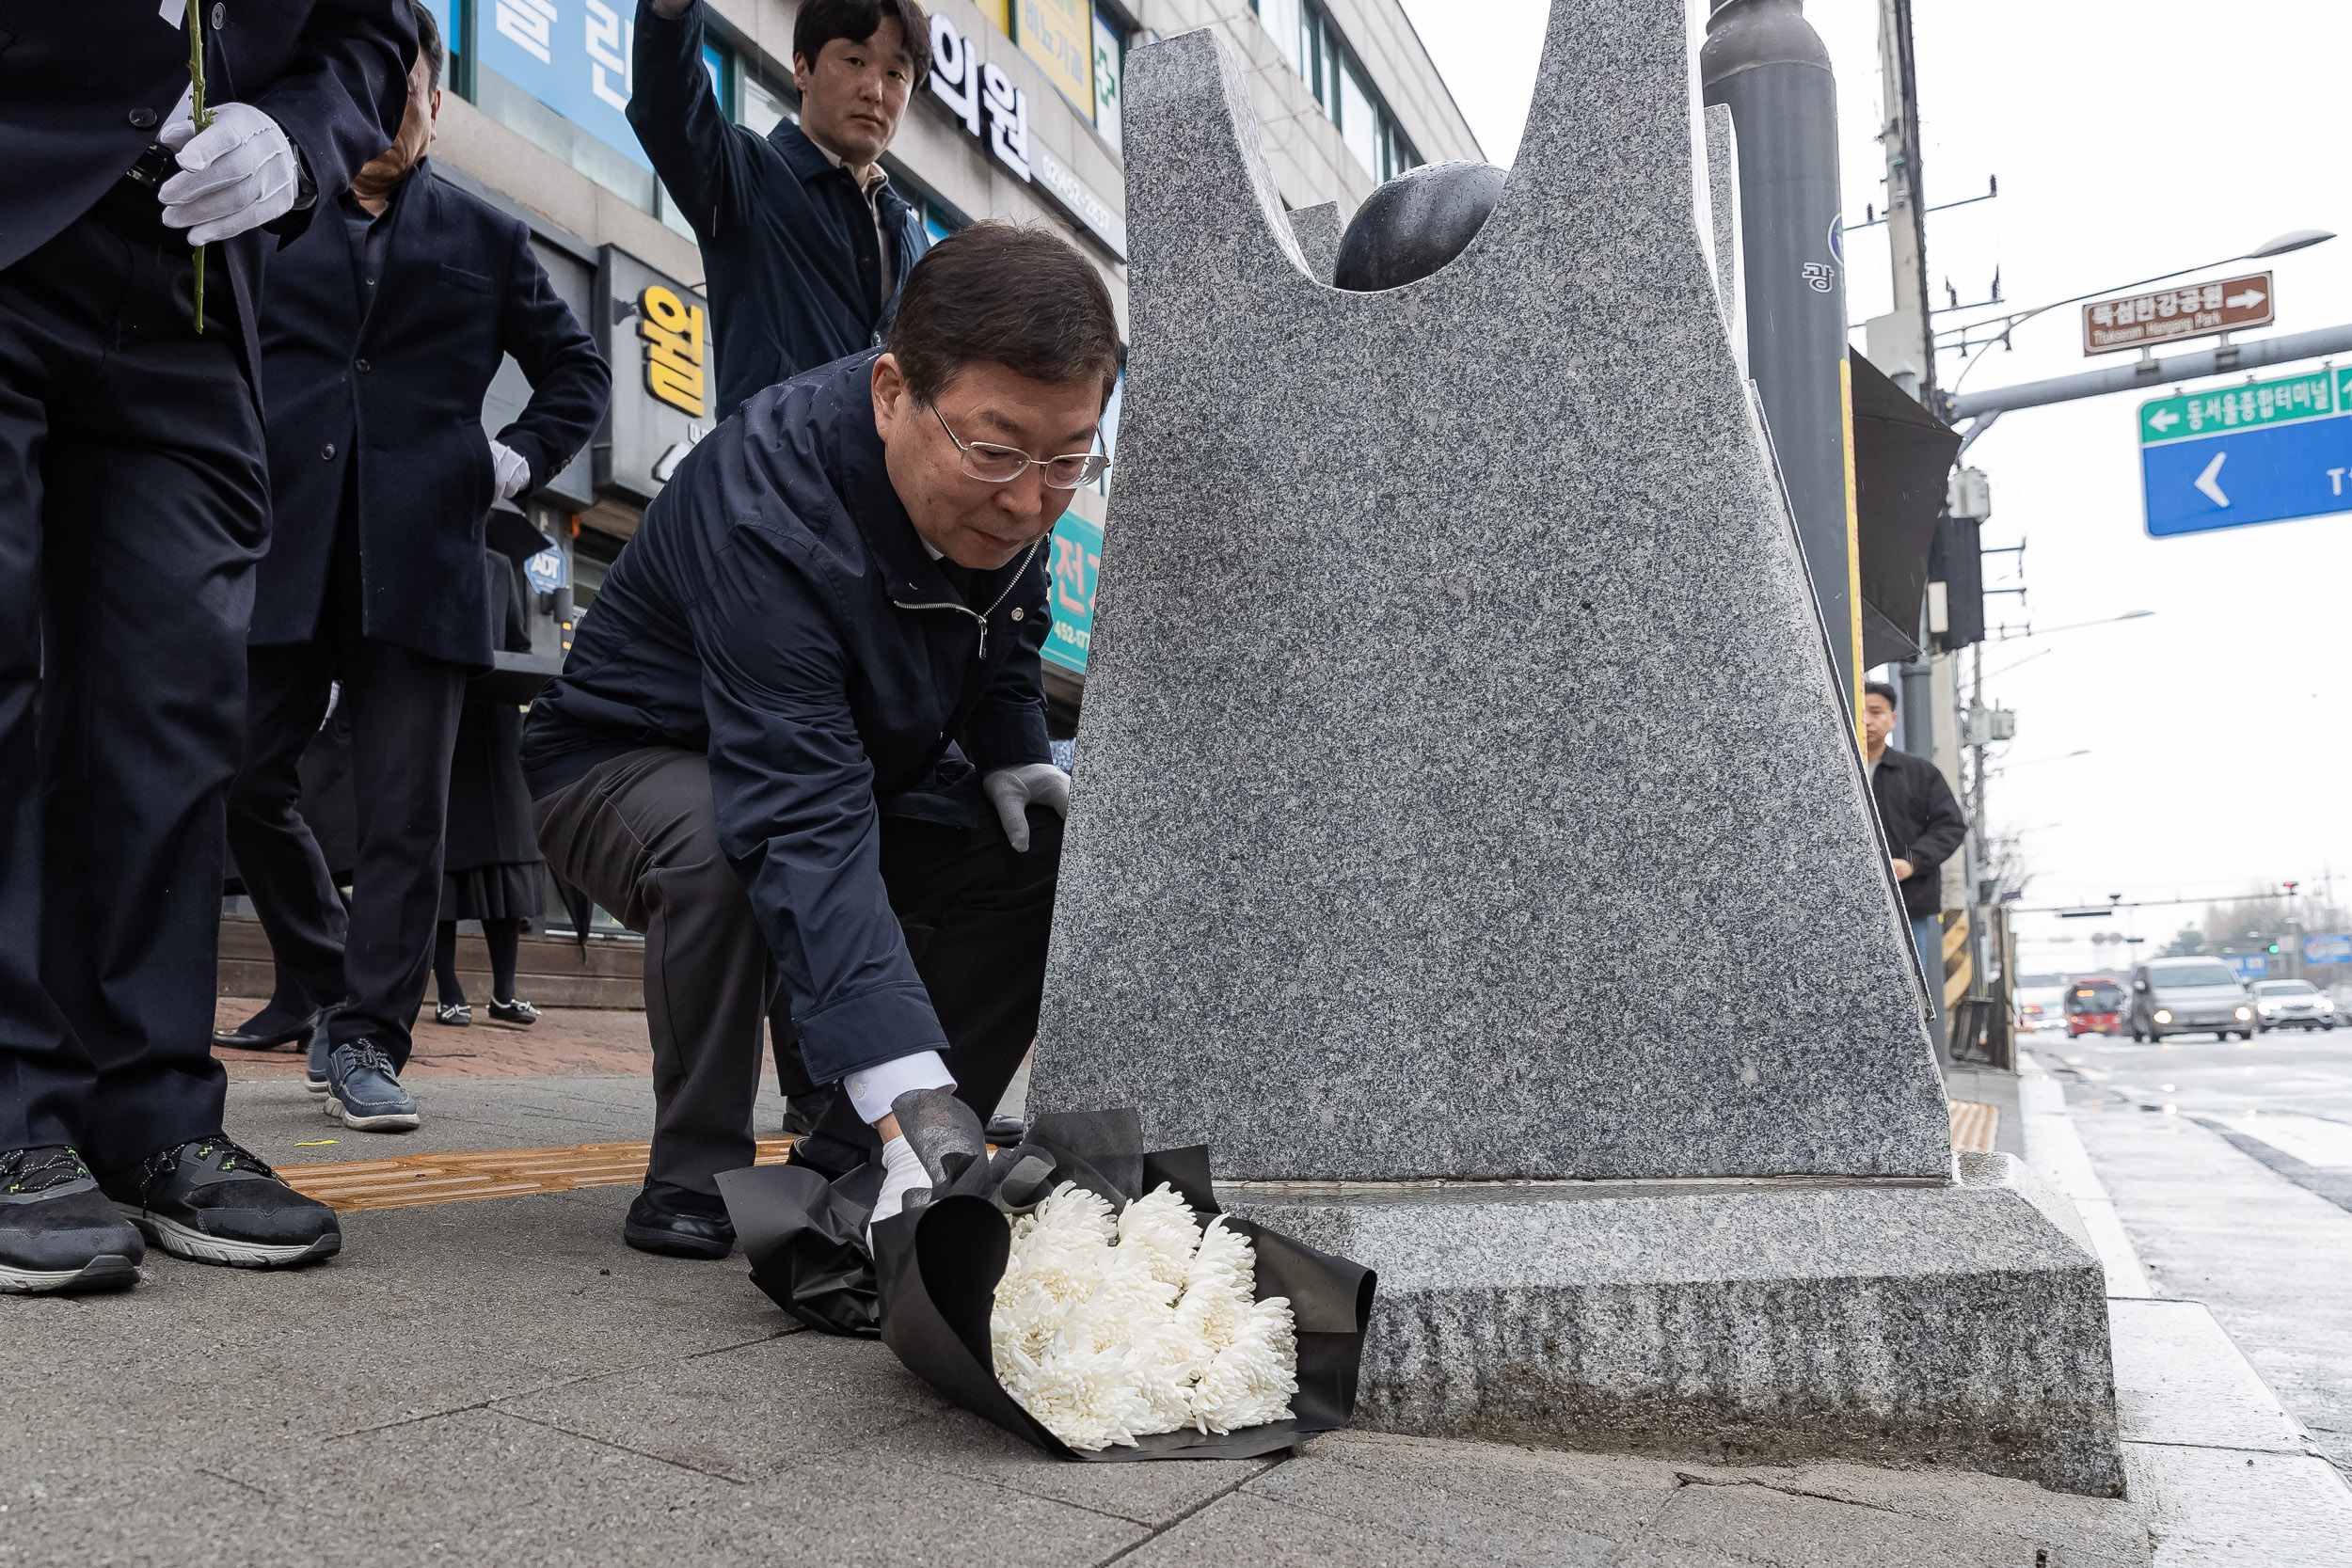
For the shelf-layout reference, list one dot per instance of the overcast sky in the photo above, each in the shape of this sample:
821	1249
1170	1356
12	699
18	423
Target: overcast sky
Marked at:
2129	140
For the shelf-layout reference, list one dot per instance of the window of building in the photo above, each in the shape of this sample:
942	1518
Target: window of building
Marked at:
1317	51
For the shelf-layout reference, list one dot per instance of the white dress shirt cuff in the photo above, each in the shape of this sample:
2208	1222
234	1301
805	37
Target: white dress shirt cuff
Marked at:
872	1089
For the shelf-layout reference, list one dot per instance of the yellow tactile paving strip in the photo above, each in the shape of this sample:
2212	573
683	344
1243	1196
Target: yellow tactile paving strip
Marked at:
1974	1125
409	1179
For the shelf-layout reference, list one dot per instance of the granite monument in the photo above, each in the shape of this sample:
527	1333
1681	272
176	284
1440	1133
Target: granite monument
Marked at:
1472	845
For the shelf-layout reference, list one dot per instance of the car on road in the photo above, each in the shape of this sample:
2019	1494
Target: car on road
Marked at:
2040	1007
2191	996
2292	1004
2094	1006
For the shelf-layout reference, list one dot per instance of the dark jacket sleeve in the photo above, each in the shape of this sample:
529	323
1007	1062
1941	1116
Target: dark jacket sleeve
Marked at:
342	102
704	161
1941	825
569	381
793	793
1007	727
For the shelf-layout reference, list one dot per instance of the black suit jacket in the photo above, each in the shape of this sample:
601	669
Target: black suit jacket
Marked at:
85	86
400	394
1922	822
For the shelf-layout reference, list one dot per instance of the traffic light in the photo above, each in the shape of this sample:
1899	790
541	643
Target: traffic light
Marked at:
2274	947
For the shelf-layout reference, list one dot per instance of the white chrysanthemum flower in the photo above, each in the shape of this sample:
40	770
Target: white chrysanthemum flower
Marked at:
1158	1232
1107	1330
1251	1380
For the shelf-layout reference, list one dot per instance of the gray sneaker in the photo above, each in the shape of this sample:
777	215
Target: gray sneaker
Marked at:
314	1075
213	1201
57	1231
364	1093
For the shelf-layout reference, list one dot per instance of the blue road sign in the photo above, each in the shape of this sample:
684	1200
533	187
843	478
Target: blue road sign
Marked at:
2327	950
2250	966
2262	453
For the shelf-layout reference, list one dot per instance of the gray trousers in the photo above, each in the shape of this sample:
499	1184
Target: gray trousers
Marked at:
638	835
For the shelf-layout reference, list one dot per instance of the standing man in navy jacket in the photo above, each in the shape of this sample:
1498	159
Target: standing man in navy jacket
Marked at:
804	243
801	735
387	322
133	505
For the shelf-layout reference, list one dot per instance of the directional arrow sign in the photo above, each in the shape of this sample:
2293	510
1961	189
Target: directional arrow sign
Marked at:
2190	311
2260	452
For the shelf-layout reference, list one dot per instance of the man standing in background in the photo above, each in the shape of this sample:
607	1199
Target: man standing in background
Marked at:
134	502
1923	826
804	243
387	323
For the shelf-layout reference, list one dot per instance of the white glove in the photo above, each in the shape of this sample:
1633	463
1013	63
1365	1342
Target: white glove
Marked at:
238	173
1013	789
902	1172
511	472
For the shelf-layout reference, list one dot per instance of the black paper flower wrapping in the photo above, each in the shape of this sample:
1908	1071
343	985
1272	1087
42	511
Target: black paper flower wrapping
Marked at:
929	1289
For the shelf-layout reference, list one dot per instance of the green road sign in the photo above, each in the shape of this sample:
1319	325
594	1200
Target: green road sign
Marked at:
2260	452
2311	395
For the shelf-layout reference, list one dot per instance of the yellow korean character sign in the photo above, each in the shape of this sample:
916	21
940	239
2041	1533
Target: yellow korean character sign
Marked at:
1059	34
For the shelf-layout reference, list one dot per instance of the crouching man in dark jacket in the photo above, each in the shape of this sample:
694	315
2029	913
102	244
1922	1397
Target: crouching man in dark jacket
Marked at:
807	681
387	322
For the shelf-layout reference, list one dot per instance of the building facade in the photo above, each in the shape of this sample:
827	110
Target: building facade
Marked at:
1018	118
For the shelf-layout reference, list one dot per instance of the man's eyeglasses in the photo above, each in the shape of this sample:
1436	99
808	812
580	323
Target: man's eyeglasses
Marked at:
997	465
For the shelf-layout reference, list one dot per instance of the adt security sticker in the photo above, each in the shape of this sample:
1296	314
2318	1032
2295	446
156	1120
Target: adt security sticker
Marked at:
548	571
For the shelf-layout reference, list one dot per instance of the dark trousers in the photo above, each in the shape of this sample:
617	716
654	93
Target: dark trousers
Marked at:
134	502
403	709
637	835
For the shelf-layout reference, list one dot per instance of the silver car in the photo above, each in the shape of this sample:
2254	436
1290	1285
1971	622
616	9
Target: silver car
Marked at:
2189	996
2292	1004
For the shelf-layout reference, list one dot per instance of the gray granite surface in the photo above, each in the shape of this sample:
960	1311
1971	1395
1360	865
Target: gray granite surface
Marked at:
1318	229
1722	207
1467	792
1734	1322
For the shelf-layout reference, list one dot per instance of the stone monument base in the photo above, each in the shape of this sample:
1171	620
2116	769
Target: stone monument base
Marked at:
1734	1321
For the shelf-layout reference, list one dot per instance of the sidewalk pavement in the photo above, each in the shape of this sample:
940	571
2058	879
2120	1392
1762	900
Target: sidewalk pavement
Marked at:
501	1379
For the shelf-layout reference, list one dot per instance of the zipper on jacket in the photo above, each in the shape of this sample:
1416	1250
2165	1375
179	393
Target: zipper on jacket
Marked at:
982	615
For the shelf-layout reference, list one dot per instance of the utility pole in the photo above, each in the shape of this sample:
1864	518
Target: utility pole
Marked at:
1902	343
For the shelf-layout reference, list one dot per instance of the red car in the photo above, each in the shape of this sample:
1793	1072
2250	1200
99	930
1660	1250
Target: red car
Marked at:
2094	1006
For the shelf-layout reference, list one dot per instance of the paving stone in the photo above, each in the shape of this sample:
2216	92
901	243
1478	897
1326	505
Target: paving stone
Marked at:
1759	1523
2222	1508
1154	1493
744	1412
1247	1529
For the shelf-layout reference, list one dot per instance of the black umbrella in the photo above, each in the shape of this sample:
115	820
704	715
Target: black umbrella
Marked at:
1902	456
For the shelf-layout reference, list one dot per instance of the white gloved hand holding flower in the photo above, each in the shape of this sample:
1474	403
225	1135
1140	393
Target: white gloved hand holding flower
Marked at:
1013	790
236	174
512	473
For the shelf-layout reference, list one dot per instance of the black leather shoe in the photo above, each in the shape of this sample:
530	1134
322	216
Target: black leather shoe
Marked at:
677	1224
1006	1131
271	1028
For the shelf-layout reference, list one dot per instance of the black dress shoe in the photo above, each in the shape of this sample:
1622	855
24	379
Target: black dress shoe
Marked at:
1005	1131
679	1223
270	1028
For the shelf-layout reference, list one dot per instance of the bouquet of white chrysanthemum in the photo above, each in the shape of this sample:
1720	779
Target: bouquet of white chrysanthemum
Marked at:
1107	1328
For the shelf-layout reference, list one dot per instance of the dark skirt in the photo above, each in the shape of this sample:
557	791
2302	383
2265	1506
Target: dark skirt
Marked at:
509	890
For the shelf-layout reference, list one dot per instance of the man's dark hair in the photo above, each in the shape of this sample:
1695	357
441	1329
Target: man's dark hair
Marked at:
1001	294
821	22
429	42
1880	688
